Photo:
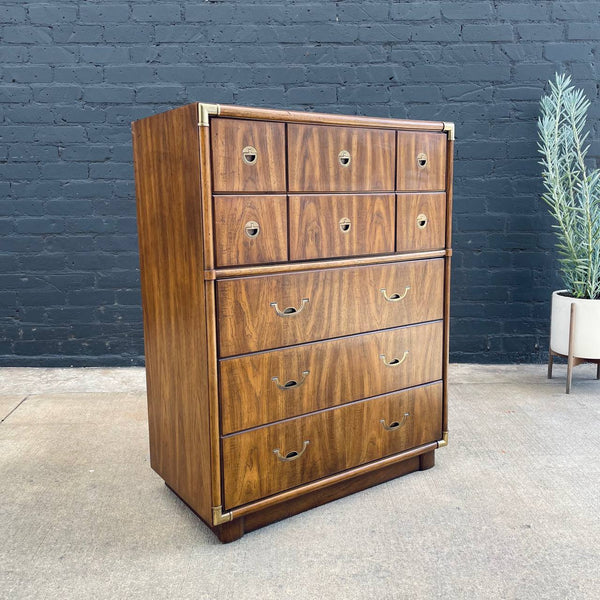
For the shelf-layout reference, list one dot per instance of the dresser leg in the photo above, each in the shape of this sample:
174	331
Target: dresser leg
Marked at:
231	531
427	460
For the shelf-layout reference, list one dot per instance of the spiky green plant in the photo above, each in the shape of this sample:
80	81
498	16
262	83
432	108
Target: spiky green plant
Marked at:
572	191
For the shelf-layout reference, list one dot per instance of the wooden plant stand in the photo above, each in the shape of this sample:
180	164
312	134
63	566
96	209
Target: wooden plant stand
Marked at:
572	360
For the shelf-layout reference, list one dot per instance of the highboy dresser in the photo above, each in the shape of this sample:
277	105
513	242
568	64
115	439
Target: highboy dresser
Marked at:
295	277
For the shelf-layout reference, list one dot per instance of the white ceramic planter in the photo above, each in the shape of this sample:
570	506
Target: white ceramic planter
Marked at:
586	332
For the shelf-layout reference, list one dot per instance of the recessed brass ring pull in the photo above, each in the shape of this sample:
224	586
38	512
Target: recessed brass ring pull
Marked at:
395	361
422	221
345	225
395	297
252	229
290	310
292	455
395	424
422	160
344	158
249	155
292	384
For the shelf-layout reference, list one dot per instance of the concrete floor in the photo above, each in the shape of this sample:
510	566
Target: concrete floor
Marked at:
510	510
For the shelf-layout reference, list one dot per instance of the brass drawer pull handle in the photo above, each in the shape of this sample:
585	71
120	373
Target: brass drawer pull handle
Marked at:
345	225
422	221
422	160
344	158
252	229
292	455
290	310
395	424
249	155
395	297
395	362
292	383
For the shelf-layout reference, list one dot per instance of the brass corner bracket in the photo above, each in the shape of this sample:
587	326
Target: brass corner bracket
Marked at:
443	442
220	517
449	129
204	111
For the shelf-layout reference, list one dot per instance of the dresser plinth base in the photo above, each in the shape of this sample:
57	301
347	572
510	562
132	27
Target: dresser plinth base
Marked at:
427	460
235	529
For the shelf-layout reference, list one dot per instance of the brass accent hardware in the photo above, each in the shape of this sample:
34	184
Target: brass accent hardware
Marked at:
249	155
290	310
395	361
422	221
395	424
252	229
292	383
220	517
204	111
345	224
449	129
422	160
395	297
344	158
444	441
292	455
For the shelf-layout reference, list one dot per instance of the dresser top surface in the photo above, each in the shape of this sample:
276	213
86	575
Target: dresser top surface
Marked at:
206	110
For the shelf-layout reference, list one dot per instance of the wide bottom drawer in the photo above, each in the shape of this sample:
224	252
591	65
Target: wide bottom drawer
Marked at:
269	459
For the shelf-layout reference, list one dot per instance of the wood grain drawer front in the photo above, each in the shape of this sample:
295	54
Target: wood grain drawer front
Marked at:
327	442
271	386
421	161
340	159
264	312
248	156
250	229
421	222
341	225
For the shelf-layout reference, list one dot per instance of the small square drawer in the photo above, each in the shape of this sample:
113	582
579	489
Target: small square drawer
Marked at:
421	222
421	161
340	159
247	156
250	230
341	225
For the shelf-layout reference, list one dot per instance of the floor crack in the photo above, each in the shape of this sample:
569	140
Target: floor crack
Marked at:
13	410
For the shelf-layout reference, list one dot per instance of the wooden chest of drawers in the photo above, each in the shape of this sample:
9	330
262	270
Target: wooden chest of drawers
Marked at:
295	279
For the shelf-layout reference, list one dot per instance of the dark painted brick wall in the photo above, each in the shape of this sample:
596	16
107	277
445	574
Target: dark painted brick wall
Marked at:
75	73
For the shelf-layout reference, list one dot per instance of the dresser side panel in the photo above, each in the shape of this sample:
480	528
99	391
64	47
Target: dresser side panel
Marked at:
169	213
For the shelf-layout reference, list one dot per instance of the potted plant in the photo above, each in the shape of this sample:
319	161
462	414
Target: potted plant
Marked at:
572	192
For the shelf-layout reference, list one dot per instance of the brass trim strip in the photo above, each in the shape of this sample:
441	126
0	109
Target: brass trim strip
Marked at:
449	129
444	441
220	517
205	110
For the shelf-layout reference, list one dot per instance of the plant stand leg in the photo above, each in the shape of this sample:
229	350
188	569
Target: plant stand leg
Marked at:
550	363
571	358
